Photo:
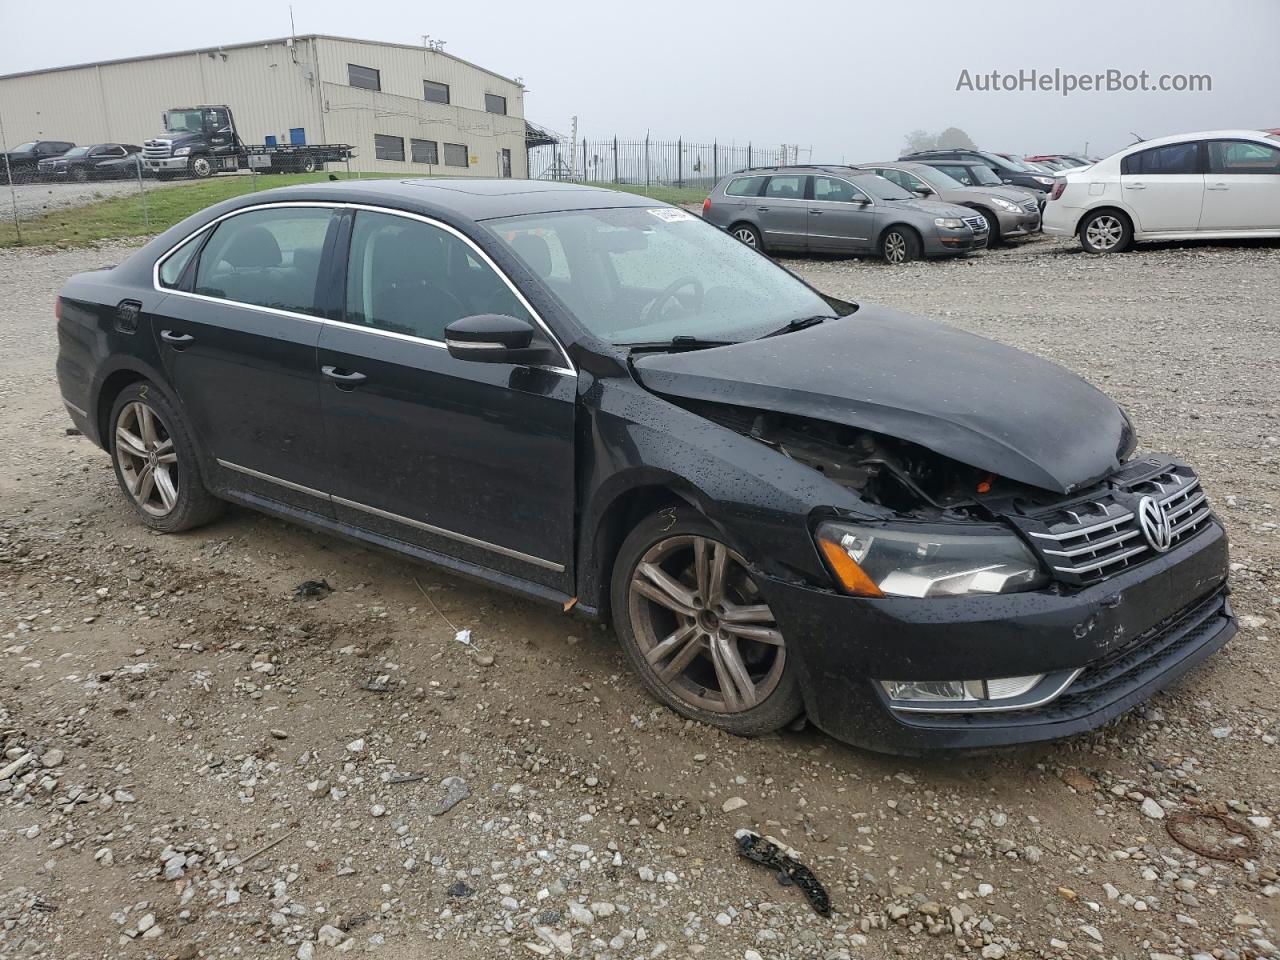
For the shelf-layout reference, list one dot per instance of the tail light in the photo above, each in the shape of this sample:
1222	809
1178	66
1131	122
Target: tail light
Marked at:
706	206
1058	186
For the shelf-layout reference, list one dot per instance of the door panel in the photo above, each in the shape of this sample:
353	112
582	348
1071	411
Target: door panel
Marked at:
474	460
241	352
1242	187
1164	186
476	457
836	222
782	212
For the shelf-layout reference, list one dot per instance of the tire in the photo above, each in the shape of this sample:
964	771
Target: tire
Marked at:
307	165
200	167
748	235
993	227
1105	231
165	448
899	245
699	654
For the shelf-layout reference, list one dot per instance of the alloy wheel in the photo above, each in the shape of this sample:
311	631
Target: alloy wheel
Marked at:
148	463
201	167
1105	232
895	248
746	235
705	632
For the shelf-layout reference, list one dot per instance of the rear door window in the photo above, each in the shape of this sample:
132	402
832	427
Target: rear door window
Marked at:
266	258
785	188
1169	160
745	187
1243	156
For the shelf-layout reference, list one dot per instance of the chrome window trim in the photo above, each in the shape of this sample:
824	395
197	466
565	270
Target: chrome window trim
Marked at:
567	370
395	517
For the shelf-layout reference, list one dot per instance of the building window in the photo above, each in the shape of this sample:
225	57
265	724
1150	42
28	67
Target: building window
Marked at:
366	77
455	155
424	151
435	92
388	148
494	103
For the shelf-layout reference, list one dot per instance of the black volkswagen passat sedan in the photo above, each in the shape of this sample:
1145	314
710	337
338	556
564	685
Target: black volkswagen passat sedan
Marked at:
786	503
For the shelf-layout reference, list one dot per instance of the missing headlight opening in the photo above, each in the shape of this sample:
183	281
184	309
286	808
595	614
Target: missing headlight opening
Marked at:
900	476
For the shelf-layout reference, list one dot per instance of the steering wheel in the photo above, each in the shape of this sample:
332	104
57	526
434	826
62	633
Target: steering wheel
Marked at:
669	293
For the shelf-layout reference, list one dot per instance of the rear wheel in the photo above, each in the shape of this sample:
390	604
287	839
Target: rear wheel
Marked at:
698	631
1106	231
748	235
899	245
155	462
308	164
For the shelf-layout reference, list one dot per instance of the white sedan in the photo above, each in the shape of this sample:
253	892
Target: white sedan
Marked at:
1215	185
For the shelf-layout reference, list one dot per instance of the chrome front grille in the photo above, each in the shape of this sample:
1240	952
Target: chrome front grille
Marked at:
1090	541
155	150
1030	205
978	224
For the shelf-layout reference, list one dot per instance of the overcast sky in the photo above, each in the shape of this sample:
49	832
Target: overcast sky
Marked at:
849	80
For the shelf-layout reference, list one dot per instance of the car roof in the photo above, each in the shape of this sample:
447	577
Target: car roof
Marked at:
1199	135
471	199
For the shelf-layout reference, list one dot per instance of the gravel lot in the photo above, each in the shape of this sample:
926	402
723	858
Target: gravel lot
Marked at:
216	768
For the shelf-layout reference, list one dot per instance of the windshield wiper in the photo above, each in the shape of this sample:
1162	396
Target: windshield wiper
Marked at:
681	341
800	323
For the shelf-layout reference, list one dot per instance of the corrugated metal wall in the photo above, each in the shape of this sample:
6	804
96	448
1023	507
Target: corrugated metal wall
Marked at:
271	89
354	114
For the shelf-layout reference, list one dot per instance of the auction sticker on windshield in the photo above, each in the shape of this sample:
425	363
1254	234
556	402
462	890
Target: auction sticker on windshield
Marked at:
672	215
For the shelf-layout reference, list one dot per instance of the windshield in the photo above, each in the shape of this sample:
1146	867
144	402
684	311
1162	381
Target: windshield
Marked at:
183	121
24	147
984	176
937	179
1011	162
77	152
882	189
633	275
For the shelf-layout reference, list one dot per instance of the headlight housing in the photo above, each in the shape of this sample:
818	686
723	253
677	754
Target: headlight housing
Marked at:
1006	205
1047	181
949	223
182	151
877	561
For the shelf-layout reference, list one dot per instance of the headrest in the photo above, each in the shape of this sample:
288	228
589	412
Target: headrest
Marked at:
255	247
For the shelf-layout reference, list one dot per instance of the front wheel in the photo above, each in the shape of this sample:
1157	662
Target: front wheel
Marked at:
1105	232
899	245
155	462
697	629
201	168
993	227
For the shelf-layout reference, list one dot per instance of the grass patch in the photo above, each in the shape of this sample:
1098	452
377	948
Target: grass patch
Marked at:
662	194
124	216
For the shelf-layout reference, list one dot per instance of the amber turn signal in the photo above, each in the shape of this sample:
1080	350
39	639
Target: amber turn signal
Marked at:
850	575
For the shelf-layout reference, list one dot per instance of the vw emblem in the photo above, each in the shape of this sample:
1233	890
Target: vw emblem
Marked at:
1155	524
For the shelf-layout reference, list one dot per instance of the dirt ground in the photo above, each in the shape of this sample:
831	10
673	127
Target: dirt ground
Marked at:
209	766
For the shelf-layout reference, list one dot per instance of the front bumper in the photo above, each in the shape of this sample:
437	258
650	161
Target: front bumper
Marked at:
1022	224
171	163
1129	636
953	242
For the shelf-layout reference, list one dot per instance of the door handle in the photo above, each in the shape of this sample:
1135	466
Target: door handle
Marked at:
815	213
1218	186
1135	186
349	377
763	209
177	339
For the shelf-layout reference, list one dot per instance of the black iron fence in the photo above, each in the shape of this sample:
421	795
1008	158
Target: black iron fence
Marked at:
648	162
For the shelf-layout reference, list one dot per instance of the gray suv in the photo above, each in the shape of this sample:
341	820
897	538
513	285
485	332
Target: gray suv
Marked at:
1009	211
833	209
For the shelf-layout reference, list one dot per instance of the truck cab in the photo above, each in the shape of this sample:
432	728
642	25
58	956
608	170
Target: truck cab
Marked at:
199	141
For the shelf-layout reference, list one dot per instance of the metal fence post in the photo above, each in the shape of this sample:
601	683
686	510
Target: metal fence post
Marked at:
615	159
680	161
13	192
715	160
646	159
748	154
142	191
585	176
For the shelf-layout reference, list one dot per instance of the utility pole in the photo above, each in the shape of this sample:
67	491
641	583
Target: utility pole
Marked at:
573	154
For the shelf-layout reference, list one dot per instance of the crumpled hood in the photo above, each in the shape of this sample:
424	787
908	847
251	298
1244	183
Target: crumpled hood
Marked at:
957	394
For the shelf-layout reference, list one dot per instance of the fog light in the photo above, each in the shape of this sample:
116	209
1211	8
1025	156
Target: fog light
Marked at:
917	692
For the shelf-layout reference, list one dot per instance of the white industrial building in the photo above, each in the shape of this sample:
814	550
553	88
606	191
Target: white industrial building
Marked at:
410	109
